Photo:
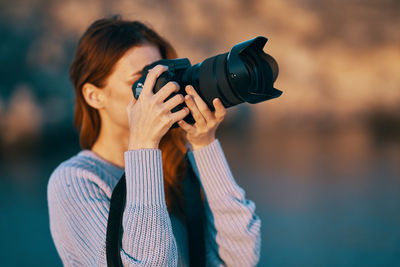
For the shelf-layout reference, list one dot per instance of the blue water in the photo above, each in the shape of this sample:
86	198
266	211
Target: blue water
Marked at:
320	204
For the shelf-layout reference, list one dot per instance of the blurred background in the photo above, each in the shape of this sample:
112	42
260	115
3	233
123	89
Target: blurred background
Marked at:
322	162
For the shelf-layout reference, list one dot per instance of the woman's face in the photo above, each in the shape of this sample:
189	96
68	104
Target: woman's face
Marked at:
118	90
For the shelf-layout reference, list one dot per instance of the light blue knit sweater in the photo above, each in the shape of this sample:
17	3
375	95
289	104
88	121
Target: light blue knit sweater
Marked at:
79	192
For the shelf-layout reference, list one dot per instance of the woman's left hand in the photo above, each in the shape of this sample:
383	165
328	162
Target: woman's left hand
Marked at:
202	133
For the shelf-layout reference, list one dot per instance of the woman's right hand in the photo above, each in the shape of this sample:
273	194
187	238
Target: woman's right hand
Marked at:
149	116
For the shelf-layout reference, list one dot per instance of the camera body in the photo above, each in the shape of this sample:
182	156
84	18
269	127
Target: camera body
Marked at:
245	74
176	71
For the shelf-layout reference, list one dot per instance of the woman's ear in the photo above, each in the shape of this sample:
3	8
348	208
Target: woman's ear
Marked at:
93	95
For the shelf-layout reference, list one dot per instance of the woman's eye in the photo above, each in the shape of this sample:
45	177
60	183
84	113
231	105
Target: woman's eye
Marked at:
132	81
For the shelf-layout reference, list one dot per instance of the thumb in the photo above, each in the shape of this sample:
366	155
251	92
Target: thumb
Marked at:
130	104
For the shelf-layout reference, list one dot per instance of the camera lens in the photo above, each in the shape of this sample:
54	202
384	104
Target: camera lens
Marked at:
245	74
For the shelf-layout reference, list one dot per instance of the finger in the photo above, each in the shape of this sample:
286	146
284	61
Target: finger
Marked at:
167	90
220	110
186	126
198	117
174	101
151	78
179	115
202	106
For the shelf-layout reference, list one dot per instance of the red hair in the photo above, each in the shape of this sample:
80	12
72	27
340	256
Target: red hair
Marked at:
99	49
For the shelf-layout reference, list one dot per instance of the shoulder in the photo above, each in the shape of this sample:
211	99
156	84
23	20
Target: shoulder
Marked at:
78	175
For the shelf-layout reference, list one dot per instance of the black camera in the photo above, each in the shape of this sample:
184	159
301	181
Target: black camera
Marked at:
245	74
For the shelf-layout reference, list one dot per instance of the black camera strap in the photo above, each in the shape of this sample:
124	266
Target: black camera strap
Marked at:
114	224
194	211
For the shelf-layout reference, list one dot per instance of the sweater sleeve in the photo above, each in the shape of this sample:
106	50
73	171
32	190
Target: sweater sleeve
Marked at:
232	231
79	210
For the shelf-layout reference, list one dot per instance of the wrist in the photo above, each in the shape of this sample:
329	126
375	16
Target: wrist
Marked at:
195	146
142	145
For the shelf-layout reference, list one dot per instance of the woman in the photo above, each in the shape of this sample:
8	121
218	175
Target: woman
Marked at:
121	134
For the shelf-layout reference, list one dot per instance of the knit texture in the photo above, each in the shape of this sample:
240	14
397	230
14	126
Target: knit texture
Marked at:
79	193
